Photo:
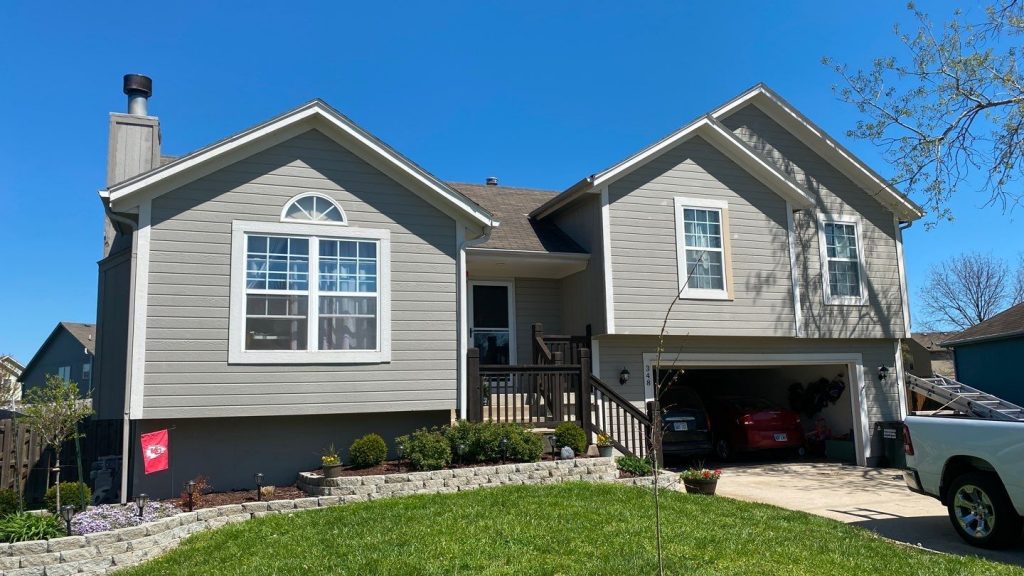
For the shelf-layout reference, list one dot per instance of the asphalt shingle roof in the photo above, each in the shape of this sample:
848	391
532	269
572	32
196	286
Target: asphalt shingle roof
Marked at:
84	333
1009	322
517	231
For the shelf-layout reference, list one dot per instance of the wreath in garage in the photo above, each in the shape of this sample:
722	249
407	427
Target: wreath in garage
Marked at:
815	396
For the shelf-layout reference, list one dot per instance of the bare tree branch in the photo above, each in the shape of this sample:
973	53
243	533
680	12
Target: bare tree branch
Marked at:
969	289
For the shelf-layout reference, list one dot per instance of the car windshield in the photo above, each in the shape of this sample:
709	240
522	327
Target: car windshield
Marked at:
751	404
682	398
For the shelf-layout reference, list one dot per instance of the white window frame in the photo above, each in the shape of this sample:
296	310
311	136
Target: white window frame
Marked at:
237	354
684	290
332	201
823	250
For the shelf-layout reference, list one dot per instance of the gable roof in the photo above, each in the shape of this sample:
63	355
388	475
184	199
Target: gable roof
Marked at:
932	341
314	114
787	116
84	333
1008	323
518	231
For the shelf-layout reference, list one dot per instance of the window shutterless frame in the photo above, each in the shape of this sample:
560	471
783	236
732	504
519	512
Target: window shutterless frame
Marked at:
703	205
845	223
237	354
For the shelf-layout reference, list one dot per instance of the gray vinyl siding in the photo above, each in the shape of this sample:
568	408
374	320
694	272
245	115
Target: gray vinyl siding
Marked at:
836	195
583	292
63	350
643	245
537	300
883	403
186	369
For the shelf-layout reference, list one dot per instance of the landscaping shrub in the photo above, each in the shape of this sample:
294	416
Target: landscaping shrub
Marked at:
9	501
482	442
114	516
525	446
69	494
370	450
635	466
571	435
26	526
426	449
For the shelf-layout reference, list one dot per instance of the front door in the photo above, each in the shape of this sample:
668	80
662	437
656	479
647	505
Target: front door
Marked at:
491	321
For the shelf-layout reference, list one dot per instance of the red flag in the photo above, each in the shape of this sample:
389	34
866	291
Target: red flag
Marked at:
154	451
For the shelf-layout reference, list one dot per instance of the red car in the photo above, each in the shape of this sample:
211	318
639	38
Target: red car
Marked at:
746	424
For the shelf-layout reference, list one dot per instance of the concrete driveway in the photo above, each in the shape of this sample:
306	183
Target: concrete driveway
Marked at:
872	498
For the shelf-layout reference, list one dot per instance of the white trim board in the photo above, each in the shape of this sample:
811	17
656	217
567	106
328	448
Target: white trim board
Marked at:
140	312
606	263
314	114
236	331
798	315
855	368
904	299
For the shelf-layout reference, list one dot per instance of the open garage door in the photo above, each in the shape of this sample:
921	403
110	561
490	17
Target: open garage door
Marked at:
751	402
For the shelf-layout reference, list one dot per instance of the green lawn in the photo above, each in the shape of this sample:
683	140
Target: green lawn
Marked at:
561	529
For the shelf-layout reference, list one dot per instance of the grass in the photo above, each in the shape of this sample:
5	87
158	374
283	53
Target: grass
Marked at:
572	528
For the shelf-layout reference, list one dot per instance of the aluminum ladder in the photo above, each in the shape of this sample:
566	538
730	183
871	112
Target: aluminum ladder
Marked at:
962	398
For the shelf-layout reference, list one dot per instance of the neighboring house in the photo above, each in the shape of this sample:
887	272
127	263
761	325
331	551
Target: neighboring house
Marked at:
10	373
928	356
986	355
301	283
67	352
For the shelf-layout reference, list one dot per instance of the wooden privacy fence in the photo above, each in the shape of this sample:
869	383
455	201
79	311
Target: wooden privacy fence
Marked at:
20	453
545	395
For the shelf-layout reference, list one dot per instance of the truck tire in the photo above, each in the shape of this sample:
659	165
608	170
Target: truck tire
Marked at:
981	511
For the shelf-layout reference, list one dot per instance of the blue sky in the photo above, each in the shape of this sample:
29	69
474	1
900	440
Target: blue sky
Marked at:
537	93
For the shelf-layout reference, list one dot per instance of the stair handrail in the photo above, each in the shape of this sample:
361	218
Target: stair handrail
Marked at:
626	405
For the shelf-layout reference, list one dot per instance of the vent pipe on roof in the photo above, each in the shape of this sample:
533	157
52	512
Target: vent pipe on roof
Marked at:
492	180
138	88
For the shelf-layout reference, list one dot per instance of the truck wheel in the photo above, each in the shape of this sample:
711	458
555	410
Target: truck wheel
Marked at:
981	512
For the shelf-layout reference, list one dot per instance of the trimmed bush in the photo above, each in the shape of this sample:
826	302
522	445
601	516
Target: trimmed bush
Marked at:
69	494
481	442
26	526
9	501
571	435
426	449
635	466
525	447
370	450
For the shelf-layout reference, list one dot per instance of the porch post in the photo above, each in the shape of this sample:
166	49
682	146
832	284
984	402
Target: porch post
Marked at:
583	401
537	331
474	412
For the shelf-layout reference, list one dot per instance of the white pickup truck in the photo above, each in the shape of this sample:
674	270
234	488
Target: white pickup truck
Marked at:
976	468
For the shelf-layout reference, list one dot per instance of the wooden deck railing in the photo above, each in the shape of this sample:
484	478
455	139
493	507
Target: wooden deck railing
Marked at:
545	395
557	348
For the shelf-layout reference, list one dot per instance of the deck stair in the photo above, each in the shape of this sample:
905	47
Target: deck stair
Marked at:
964	399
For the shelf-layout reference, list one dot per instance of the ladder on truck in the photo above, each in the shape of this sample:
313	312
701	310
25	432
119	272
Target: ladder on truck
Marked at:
962	398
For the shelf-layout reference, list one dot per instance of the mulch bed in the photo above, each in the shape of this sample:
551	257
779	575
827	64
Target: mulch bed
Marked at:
403	467
240	497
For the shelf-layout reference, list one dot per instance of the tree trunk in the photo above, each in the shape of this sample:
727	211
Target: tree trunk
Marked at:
57	467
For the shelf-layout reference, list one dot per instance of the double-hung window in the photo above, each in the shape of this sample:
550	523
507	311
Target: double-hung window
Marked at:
842	263
305	293
702	248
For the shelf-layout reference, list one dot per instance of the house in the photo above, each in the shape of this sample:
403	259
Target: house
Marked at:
928	356
67	352
985	354
779	253
10	372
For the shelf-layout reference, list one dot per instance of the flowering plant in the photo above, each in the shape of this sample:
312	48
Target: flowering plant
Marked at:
604	440
701	474
329	457
113	516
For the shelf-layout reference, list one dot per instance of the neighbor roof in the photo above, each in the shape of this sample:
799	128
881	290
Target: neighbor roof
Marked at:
779	110
512	206
84	333
1009	322
313	114
932	341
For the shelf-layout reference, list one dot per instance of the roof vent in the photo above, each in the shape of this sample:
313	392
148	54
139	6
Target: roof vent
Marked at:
138	88
492	180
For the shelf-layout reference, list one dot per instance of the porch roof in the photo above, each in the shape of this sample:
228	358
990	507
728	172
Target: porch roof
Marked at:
511	206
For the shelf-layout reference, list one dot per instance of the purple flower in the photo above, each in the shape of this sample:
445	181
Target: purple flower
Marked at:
113	516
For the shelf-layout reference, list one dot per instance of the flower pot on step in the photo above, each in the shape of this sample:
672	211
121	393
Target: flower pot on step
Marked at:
332	471
705	487
606	451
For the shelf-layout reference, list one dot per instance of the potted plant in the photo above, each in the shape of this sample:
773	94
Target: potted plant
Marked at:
604	445
330	462
700	480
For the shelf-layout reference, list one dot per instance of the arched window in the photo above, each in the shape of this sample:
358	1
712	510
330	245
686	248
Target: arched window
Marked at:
313	207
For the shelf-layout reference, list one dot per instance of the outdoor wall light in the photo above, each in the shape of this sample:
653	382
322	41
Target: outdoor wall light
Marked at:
67	512
624	376
190	489
504	449
883	373
259	485
141	500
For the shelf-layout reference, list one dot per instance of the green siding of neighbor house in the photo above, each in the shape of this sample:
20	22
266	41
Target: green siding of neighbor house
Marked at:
992	367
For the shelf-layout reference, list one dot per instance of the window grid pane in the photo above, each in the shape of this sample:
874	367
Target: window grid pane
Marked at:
277	263
702	241
348	266
843	265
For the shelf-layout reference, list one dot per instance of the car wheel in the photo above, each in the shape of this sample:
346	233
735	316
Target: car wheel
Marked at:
981	511
723	450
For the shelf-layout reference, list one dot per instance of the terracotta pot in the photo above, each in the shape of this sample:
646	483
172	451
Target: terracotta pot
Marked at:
332	471
606	451
706	487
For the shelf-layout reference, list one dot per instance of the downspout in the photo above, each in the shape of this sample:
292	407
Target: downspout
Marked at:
464	310
126	430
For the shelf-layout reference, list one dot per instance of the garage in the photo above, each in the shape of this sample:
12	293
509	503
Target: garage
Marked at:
737	395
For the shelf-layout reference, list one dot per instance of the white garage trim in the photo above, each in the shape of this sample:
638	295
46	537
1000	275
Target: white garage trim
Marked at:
854	363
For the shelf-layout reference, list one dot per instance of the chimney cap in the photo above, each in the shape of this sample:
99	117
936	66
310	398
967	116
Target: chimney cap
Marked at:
138	85
492	181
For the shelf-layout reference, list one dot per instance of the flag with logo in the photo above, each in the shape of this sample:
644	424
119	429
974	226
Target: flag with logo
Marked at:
154	451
